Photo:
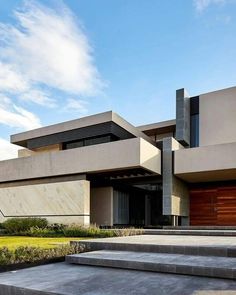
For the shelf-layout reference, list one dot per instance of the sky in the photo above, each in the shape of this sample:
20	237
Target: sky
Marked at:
62	60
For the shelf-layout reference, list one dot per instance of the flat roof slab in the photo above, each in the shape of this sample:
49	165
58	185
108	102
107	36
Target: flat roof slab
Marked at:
65	279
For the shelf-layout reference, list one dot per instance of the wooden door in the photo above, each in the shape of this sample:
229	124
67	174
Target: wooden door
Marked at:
203	209
226	206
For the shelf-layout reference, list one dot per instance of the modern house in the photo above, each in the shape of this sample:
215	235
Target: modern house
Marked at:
101	169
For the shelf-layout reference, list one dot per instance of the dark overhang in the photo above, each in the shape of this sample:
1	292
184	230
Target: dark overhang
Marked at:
90	126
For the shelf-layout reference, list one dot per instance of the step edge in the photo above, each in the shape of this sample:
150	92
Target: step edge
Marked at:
205	271
218	251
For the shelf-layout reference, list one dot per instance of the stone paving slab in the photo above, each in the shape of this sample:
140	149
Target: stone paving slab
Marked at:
175	244
69	279
220	267
194	232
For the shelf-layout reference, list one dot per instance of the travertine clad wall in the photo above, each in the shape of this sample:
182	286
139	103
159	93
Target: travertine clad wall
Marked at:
217	117
66	202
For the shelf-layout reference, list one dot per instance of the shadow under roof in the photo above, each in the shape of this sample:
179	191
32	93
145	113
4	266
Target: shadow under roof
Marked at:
22	138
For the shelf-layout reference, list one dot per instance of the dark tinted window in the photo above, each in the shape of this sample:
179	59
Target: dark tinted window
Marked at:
89	141
194	127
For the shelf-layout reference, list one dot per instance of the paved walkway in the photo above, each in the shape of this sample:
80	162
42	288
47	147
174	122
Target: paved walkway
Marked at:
68	279
71	279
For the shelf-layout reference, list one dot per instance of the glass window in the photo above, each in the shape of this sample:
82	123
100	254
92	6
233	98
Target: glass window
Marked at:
194	129
89	141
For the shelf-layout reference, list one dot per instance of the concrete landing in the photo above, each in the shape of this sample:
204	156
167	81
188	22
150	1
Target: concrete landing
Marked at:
69	279
219	267
191	232
172	244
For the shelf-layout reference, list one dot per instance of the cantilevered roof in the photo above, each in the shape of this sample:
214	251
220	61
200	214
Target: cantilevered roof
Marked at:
158	128
22	138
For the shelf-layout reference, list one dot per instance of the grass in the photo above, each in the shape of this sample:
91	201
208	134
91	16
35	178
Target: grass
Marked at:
46	243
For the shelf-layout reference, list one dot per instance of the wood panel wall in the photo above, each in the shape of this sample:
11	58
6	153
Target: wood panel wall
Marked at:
215	206
226	206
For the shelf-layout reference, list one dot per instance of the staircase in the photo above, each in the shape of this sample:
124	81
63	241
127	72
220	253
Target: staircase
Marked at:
211	256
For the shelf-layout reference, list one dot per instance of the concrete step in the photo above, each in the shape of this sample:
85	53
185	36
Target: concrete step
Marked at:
172	244
196	227
217	267
191	232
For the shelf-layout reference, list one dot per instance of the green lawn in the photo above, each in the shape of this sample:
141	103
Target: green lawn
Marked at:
46	243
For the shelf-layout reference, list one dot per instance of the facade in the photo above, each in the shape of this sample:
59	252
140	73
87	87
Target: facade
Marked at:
101	169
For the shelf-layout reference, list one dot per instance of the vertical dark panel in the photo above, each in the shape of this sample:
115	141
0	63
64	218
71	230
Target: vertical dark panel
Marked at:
183	117
194	121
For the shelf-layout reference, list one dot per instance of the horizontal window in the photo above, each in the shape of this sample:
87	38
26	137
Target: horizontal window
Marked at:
89	141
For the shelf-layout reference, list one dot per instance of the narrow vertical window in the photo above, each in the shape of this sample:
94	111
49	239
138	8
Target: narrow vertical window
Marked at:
194	129
194	121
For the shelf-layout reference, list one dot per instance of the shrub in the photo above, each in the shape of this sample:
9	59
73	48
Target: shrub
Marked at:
57	227
6	256
18	225
34	254
127	232
80	231
38	227
42	232
95	232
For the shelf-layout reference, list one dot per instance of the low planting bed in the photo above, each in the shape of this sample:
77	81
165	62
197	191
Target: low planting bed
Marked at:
39	227
26	256
26	242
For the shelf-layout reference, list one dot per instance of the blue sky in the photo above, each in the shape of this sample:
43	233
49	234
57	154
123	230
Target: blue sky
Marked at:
63	60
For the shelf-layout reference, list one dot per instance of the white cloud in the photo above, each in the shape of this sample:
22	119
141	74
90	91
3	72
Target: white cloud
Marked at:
10	80
50	48
39	97
44	51
8	150
76	105
15	116
201	5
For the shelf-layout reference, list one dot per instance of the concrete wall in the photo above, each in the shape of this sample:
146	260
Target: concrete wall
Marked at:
101	206
182	117
175	192
49	148
150	156
27	153
208	163
66	202
217	117
130	153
